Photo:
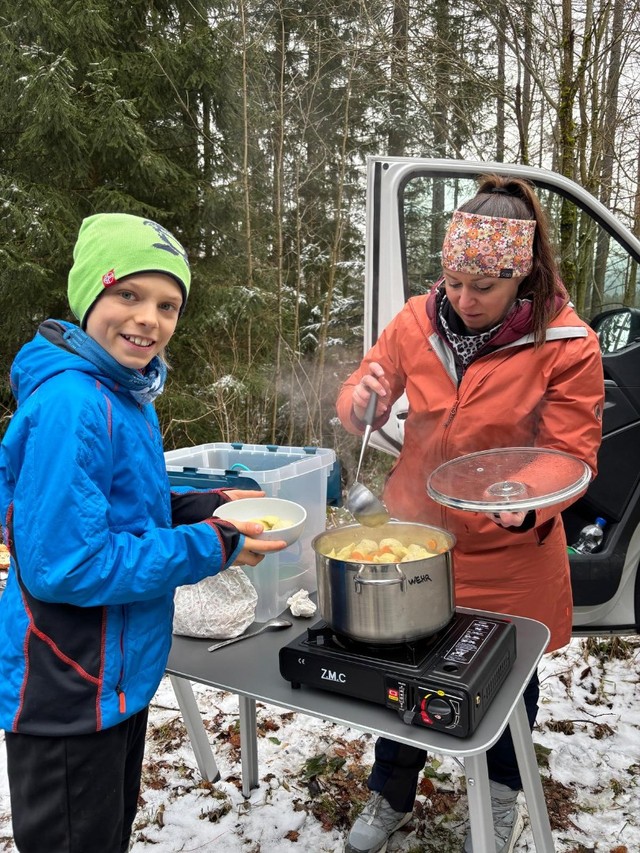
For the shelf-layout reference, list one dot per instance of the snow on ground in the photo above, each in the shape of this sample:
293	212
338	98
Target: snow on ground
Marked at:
312	774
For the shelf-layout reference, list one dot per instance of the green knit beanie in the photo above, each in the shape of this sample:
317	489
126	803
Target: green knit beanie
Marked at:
111	246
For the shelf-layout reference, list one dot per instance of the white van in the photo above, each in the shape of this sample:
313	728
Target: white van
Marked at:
409	202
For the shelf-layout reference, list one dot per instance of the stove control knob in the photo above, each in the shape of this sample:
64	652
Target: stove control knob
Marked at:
440	709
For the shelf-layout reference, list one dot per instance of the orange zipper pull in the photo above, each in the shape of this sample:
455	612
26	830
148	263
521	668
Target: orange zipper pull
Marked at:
122	700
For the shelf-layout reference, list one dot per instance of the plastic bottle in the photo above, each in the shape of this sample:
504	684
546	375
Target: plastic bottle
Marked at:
590	538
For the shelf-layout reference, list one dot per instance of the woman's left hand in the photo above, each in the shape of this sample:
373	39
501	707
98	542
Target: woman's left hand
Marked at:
507	519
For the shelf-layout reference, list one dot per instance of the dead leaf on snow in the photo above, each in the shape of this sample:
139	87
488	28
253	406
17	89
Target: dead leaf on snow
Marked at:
442	803
565	727
267	725
426	787
561	802
565	679
169	736
337	790
602	730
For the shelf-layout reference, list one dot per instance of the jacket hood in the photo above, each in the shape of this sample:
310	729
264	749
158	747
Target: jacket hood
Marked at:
44	357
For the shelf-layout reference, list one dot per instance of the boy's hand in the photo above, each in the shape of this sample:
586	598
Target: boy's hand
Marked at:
254	550
238	494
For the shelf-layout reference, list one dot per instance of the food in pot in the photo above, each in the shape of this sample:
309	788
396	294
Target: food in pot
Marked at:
272	522
385	603
386	551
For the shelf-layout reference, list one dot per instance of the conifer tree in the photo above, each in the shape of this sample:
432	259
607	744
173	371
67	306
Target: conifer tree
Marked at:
101	103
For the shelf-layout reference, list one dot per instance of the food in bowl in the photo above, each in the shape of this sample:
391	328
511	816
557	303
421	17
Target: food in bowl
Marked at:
388	550
272	522
267	509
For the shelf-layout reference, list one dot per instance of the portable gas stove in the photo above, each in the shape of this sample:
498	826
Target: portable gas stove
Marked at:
445	681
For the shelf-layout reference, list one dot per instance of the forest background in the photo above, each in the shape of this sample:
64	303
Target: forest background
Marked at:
244	128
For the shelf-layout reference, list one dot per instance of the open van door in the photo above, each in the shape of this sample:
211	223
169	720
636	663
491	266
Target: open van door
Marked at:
409	204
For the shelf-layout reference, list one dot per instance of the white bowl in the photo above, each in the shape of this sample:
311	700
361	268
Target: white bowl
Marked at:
255	509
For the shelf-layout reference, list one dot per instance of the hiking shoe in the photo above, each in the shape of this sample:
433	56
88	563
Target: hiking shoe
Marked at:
376	822
507	820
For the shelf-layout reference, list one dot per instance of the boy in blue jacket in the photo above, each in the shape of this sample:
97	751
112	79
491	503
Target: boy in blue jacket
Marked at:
98	543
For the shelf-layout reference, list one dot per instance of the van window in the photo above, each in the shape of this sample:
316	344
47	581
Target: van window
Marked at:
598	271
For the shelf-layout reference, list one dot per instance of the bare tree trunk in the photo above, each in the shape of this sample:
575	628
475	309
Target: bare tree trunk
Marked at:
608	154
629	298
442	74
245	169
299	286
314	427
567	144
500	97
589	102
523	98
398	79
245	144
207	165
278	248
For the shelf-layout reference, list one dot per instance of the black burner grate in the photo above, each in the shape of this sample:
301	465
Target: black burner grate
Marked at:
412	654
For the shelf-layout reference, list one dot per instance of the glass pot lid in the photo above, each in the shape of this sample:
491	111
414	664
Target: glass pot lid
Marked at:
509	479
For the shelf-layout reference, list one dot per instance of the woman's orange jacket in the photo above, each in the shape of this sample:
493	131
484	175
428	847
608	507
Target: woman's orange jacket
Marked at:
516	396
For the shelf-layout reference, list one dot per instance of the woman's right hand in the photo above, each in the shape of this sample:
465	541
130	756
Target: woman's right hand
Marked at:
375	381
254	550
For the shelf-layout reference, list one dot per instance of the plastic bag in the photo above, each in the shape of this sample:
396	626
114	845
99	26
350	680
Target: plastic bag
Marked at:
217	608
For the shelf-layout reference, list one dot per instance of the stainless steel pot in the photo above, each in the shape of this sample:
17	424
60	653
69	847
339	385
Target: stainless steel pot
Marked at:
391	602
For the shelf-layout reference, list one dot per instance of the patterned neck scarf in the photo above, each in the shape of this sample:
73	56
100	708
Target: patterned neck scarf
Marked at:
465	346
143	387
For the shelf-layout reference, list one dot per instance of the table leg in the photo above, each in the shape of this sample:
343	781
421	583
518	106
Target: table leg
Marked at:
248	744
480	819
195	728
531	782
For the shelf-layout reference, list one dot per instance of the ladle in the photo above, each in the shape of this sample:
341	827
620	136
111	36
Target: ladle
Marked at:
363	505
272	623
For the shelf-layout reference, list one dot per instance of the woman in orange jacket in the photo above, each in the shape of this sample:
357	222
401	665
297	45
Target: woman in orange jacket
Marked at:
494	356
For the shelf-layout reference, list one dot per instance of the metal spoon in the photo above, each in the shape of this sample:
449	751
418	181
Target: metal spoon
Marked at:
363	505
272	623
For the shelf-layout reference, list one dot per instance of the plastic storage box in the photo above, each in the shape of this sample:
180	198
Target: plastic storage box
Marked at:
301	474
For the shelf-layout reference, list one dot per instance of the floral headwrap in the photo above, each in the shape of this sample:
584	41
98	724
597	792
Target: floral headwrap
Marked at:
488	245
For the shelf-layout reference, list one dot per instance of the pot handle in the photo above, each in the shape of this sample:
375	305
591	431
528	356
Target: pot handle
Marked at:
401	579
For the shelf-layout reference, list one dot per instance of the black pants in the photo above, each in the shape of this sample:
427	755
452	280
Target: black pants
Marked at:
397	766
76	794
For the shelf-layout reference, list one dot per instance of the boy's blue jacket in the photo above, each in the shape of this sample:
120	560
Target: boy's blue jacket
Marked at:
86	617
